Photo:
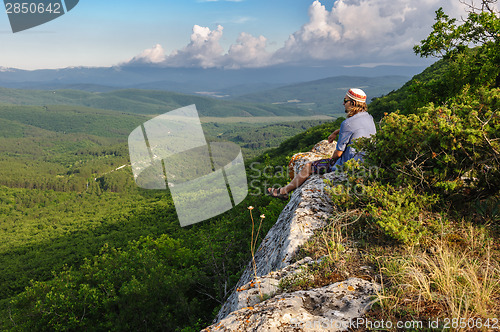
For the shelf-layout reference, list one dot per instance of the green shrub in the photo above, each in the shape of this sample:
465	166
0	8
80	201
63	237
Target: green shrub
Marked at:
450	150
400	212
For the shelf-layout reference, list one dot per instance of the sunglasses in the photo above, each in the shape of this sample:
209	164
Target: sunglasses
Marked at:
346	101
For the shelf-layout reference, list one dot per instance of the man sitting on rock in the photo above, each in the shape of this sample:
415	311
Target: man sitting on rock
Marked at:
358	124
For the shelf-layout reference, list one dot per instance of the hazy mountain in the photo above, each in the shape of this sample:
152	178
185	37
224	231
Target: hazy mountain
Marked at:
325	96
219	82
267	99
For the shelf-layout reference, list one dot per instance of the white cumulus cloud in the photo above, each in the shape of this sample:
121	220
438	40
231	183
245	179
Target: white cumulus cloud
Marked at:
204	50
362	30
249	51
156	54
351	32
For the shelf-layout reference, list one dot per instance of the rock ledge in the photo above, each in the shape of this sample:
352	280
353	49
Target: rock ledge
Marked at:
329	308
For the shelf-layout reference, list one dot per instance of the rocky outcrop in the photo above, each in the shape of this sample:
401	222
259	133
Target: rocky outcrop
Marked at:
307	211
335	307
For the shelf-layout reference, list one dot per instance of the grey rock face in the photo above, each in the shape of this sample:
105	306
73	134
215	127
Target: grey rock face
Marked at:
307	211
335	307
266	286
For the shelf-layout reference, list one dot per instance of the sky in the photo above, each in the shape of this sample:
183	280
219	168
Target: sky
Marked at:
228	34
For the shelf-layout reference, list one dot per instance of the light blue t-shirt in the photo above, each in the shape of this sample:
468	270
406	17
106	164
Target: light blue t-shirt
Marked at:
358	125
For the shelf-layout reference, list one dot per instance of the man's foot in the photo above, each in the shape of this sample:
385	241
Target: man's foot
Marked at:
278	193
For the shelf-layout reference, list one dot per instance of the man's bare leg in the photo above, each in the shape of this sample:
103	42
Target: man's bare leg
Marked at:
300	178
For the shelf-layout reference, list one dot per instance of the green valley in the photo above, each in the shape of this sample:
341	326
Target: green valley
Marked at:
148	102
85	249
67	191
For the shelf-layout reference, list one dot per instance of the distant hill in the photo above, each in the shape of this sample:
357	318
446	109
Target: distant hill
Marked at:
187	80
38	121
52	123
427	86
325	96
148	102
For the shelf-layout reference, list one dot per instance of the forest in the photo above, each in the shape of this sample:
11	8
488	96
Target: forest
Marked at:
65	198
85	249
148	102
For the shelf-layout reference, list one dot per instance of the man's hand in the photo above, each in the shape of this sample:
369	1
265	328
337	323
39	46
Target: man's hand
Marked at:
333	136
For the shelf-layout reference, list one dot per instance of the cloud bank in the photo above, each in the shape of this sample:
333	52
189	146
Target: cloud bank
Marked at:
351	32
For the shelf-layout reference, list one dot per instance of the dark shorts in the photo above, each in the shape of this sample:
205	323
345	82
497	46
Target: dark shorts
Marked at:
322	166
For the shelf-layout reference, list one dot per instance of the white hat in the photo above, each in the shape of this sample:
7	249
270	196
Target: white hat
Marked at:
357	94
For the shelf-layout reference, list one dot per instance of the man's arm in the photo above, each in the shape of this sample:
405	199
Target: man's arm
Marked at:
336	155
333	136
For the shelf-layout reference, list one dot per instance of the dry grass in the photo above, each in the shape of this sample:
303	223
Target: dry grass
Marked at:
333	240
453	274
456	276
340	258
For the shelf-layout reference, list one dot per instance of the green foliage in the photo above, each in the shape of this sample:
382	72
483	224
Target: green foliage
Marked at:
155	280
439	140
428	86
477	67
154	276
398	212
66	195
445	79
488	210
73	119
448	38
446	150
461	67
75	197
42	230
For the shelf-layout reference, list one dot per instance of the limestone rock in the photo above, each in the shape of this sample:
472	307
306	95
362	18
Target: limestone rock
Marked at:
331	308
266	286
307	211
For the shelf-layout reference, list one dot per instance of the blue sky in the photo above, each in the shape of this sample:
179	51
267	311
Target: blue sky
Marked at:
232	34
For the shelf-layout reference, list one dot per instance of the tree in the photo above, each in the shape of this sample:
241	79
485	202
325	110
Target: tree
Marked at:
482	27
451	40
445	137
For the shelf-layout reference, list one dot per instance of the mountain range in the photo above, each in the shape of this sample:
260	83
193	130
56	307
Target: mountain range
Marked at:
222	83
114	89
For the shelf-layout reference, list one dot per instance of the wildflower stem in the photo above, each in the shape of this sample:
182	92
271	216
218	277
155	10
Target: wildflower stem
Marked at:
253	243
